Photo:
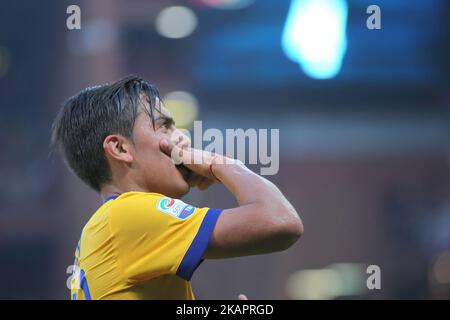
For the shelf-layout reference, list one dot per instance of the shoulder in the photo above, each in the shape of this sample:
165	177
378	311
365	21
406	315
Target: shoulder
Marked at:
138	201
143	208
134	204
133	197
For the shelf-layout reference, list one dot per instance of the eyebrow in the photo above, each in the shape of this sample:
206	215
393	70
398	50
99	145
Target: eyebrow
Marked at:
165	119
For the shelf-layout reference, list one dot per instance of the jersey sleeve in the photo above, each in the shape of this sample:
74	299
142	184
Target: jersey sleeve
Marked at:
155	235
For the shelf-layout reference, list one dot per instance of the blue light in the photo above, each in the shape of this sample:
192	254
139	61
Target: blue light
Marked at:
314	36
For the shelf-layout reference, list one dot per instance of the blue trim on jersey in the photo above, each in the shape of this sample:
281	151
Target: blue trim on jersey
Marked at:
111	198
193	257
84	285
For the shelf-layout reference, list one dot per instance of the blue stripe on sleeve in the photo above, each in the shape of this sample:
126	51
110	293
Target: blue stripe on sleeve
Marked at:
194	254
84	285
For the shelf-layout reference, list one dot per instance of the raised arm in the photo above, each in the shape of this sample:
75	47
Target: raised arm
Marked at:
263	222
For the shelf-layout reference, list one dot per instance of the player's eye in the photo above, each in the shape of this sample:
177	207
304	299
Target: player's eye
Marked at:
168	123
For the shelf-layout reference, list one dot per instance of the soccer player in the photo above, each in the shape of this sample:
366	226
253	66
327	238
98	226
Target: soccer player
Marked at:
144	242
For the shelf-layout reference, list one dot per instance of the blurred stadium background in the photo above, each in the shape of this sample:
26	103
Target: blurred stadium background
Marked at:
364	145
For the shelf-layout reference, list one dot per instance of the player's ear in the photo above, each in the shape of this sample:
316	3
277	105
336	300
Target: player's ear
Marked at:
118	147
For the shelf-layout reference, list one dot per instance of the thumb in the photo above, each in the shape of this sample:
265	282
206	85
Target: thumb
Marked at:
172	150
242	297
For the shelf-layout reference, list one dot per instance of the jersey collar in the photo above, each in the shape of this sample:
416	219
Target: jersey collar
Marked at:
111	198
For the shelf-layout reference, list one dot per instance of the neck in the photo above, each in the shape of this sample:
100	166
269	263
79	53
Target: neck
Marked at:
109	190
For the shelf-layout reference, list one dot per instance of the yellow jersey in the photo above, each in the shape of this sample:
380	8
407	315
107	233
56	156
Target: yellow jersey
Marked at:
141	246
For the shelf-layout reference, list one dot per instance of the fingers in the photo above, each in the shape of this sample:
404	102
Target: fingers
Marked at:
172	150
193	159
182	141
197	161
242	297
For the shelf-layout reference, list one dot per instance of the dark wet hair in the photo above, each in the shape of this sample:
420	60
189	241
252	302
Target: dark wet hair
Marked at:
88	117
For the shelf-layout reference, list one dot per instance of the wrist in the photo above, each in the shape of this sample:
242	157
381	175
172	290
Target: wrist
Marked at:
211	170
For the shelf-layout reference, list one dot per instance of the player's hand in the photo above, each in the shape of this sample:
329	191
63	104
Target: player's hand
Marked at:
195	180
198	161
176	145
242	297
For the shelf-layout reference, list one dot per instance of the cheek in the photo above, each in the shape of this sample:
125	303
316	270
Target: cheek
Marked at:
150	155
146	147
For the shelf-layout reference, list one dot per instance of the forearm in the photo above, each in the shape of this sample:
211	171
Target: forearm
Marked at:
263	222
251	189
245	185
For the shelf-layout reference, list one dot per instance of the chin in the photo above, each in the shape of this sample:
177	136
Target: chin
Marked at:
181	190
185	190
